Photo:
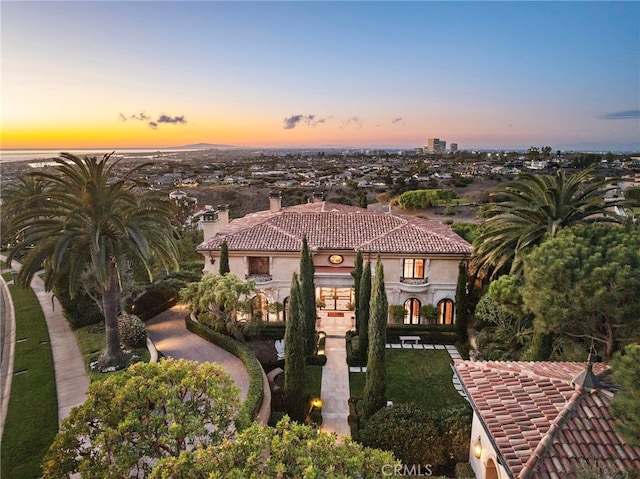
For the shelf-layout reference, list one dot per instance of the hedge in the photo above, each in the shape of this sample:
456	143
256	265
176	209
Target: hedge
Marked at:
429	334
255	396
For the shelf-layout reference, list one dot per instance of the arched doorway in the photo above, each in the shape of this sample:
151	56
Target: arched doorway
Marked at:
490	470
412	311
260	307
445	311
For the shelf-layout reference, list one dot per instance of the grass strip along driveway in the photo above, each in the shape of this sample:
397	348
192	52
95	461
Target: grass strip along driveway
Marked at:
32	415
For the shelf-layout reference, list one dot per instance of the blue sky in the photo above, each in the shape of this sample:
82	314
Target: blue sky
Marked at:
378	74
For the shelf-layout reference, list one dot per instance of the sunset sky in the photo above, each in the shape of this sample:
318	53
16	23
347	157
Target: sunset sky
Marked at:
348	74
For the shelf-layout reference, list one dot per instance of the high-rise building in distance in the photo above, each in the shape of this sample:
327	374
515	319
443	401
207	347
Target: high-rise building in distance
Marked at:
435	145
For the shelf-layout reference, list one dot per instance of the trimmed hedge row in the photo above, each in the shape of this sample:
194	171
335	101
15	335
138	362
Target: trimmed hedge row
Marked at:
429	334
264	330
255	396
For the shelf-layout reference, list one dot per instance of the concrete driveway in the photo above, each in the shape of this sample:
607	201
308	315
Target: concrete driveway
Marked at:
171	337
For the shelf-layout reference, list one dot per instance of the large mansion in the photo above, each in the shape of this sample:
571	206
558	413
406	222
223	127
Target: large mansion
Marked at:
420	257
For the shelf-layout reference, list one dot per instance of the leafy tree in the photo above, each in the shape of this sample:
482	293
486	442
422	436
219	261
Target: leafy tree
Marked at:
584	283
506	334
308	296
222	296
357	275
288	451
626	403
95	225
633	195
526	211
467	229
224	258
375	383
145	413
418	199
294	354
364	305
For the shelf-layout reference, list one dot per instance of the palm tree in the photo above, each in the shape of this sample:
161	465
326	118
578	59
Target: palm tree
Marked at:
93	223
533	207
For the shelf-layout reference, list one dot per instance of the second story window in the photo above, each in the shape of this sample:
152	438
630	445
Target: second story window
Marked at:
413	268
258	265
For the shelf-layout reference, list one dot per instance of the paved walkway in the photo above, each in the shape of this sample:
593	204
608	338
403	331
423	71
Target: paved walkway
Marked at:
335	377
172	338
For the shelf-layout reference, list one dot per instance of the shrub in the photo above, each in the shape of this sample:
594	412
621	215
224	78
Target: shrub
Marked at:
397	313
316	360
132	330
439	438
81	310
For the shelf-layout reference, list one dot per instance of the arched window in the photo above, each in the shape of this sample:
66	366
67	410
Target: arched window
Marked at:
445	309
285	308
412	311
491	471
260	304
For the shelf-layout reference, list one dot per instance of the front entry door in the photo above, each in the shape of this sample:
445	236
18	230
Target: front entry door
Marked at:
336	299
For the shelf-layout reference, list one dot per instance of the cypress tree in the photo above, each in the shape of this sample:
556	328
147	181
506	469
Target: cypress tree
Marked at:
294	354
357	275
462	310
375	384
308	295
224	258
364	300
363	200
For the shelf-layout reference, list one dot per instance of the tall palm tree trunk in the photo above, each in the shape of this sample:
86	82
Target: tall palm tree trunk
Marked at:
110	309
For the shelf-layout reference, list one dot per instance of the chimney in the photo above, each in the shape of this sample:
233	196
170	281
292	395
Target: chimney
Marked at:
223	214
318	196
275	201
213	220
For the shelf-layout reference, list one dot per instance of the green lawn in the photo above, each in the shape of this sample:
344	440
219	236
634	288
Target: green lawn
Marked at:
419	376
32	416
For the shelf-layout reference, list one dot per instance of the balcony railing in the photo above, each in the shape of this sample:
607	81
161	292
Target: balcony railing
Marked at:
259	278
414	280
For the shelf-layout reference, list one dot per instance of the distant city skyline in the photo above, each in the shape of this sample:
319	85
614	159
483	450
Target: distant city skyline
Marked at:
503	75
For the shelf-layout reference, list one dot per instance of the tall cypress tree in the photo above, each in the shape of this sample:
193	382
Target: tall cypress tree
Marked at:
308	294
462	313
357	275
364	300
294	354
376	385
224	258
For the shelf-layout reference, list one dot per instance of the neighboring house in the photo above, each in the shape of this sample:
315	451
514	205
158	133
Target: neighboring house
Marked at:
420	257
541	420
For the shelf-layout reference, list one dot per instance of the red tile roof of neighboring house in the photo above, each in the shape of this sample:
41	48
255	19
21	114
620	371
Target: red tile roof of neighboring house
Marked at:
331	226
541	424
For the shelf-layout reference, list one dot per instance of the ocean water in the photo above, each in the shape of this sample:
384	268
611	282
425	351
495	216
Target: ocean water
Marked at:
10	156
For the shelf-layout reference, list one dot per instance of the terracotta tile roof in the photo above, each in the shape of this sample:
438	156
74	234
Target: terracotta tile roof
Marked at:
544	427
331	226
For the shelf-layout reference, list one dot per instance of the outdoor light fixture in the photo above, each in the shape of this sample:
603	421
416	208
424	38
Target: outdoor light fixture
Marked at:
477	448
211	258
317	403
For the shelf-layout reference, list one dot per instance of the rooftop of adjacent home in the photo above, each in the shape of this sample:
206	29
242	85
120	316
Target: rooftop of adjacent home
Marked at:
333	226
544	418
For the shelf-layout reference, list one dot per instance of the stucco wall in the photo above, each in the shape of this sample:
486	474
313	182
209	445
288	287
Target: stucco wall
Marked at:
442	274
